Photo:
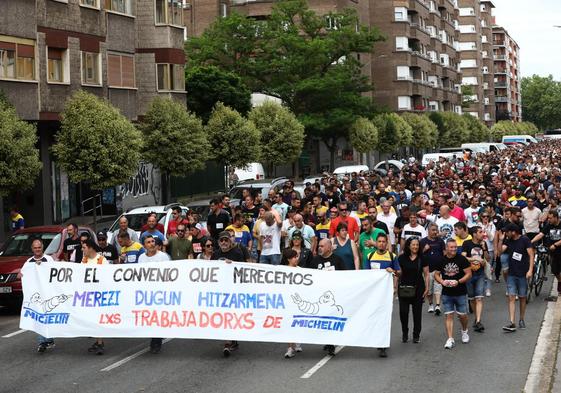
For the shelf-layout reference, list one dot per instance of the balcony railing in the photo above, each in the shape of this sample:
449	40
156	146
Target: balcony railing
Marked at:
501	99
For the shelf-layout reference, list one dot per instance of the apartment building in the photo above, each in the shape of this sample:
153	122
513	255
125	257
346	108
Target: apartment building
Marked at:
127	51
507	76
476	53
416	68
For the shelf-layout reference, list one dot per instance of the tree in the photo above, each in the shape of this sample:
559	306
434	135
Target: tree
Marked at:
282	135
96	144
502	128
363	135
452	128
208	85
19	158
309	61
403	129
424	130
477	130
174	139
467	96
388	138
234	140
541	101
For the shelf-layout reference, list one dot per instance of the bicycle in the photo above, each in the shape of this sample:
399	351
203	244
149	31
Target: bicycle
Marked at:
535	283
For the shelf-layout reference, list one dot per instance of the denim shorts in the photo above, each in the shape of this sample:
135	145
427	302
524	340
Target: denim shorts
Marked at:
476	286
270	259
516	286
457	304
435	288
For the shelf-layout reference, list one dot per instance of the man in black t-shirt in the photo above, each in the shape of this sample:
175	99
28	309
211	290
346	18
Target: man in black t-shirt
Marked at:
432	249
520	268
551	233
109	251
453	273
71	243
218	219
228	251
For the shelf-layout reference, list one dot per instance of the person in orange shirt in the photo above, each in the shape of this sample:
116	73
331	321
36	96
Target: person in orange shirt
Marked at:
352	226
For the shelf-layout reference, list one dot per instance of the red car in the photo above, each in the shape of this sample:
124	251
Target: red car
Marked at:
17	249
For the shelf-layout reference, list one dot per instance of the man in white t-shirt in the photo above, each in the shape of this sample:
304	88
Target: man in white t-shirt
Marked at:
413	229
388	218
472	213
446	223
270	238
531	216
152	254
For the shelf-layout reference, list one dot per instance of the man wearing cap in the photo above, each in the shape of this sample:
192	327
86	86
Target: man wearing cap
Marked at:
520	268
109	251
198	239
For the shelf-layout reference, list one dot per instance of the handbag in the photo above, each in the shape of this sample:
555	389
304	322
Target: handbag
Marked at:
408	291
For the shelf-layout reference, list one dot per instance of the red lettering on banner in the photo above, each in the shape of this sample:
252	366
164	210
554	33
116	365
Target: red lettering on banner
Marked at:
110	319
202	319
272	322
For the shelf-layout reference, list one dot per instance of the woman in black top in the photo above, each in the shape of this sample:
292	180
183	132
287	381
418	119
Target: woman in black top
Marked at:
414	279
304	254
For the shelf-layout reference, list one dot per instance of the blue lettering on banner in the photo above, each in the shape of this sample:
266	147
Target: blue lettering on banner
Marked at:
158	298
319	322
241	300
96	299
46	319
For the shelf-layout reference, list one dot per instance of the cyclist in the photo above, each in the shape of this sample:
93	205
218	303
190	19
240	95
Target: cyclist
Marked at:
552	234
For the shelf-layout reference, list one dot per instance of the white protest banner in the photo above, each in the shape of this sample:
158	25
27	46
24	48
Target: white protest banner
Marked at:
210	300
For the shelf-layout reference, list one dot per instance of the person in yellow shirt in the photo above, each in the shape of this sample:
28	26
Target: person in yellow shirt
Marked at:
461	235
241	231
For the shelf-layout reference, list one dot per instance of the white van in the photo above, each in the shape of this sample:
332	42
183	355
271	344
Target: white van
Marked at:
345	170
487	147
253	171
435	157
507	139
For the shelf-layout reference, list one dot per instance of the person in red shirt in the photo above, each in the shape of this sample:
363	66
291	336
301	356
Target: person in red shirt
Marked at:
455	210
352	225
176	219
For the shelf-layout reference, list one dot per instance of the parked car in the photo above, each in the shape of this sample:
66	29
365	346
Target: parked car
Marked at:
262	186
253	171
508	139
137	218
348	169
394	165
17	249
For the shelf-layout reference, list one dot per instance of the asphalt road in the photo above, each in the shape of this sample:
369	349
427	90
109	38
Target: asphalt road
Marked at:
493	361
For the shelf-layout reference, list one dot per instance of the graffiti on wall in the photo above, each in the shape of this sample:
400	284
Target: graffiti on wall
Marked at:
144	188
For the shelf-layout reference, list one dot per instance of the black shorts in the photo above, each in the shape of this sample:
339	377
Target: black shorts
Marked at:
555	262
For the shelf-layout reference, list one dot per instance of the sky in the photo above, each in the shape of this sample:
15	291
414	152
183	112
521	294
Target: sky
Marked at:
530	23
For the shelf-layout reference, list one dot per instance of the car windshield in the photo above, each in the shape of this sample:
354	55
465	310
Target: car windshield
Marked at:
137	220
237	192
20	244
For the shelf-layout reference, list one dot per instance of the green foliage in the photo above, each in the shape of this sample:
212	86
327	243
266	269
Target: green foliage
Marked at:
96	144
541	100
19	158
453	129
307	60
478	131
404	130
174	139
282	135
467	93
4	100
234	140
208	85
363	135
507	127
425	132
388	137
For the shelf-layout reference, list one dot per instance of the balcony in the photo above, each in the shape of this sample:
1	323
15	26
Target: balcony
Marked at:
498	43
501	99
500	57
500	71
500	84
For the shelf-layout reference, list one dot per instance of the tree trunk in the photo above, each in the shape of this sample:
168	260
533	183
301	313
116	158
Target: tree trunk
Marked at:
332	149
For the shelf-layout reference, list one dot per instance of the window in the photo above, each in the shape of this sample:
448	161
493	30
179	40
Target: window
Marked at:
467	11
90	3
468	63
401	43
122	6
17	61
171	77
404	103
403	73
57	65
400	13
120	70
223	10
469	80
91	68
169	12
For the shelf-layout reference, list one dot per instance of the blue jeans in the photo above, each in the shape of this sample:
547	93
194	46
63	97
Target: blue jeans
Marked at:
270	259
516	286
457	304
476	286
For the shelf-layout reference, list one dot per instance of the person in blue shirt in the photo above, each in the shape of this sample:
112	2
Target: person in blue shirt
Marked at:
152	230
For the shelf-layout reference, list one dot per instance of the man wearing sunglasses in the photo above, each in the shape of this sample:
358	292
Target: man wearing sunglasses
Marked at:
180	247
344	217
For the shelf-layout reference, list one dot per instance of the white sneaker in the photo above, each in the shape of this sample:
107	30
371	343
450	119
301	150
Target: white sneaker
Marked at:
450	343
465	336
488	293
431	308
290	353
298	348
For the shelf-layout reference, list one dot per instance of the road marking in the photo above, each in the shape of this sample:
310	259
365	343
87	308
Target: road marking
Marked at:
14	333
542	368
131	357
321	363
